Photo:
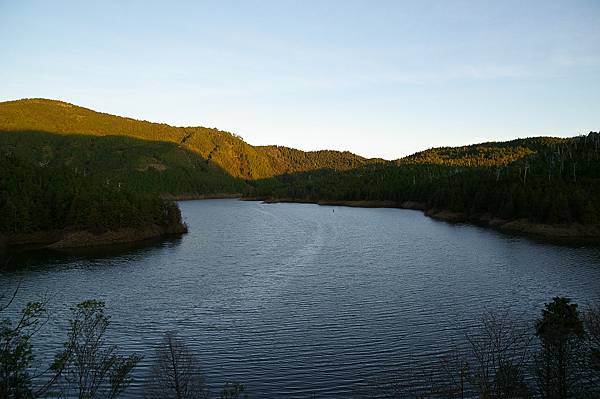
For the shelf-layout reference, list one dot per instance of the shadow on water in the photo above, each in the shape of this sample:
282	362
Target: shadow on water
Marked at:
21	259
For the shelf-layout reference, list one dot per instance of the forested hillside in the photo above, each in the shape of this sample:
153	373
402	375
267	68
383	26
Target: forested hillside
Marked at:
67	168
36	198
218	148
484	154
60	161
118	161
545	180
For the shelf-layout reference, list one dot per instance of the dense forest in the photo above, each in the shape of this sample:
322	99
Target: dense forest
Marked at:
69	168
35	198
128	163
225	150
544	180
64	166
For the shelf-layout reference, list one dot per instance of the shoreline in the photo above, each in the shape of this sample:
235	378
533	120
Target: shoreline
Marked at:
84	239
194	197
573	233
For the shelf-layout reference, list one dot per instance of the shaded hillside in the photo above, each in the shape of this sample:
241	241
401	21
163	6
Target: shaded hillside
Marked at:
72	176
543	180
218	148
122	162
39	204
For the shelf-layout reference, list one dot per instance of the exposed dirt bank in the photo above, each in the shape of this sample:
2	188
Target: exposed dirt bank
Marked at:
572	232
557	233
191	197
64	239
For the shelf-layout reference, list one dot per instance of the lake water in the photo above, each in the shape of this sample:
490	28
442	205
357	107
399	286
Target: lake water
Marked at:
296	300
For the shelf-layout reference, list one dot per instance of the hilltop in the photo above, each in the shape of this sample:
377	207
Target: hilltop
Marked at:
219	149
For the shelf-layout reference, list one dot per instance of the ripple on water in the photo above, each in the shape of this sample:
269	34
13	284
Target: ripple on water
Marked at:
295	300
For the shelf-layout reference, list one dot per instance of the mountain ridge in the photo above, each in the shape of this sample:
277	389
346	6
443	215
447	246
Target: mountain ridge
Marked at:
540	180
67	105
227	150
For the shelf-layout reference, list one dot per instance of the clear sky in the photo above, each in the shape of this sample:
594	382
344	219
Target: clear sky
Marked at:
379	78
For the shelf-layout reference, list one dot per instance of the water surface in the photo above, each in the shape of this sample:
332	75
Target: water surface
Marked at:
296	300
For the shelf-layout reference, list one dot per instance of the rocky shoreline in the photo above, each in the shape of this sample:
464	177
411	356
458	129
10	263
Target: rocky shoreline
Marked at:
557	233
71	239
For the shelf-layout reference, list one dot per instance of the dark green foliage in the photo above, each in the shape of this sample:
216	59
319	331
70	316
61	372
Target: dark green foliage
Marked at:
93	159
37	197
233	390
132	164
542	179
217	148
561	334
67	167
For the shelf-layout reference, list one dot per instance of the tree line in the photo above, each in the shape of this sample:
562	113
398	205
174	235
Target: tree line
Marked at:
34	198
543	180
104	158
221	149
136	165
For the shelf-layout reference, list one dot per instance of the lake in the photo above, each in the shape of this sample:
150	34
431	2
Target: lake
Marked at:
296	300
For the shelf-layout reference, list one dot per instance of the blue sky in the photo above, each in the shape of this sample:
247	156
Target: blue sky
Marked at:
379	78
